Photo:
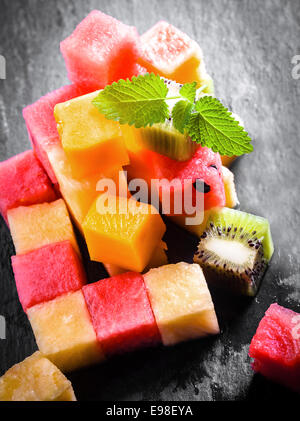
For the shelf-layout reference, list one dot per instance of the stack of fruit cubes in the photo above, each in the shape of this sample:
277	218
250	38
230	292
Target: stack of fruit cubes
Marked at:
75	151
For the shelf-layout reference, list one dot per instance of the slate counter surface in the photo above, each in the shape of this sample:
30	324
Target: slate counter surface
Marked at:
248	46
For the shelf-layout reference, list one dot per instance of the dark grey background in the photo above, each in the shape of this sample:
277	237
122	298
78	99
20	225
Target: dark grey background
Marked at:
248	46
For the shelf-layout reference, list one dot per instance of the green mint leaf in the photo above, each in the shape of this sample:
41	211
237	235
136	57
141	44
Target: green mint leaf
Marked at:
181	114
188	91
213	126
140	102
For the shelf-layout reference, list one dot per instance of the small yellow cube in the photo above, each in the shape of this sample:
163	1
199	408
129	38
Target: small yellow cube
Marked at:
64	332
123	233
33	227
92	143
35	379
181	302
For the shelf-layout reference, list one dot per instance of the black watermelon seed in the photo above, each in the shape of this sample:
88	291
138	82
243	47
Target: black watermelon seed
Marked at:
201	186
213	166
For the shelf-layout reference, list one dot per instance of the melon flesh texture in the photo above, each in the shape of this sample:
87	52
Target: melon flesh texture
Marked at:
80	193
101	50
23	182
92	143
121	313
124	233
35	379
46	273
41	124
232	200
151	165
276	347
169	52
181	302
33	227
64	332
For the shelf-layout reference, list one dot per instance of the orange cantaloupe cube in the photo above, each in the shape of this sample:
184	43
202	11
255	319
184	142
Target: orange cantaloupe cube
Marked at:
181	302
125	233
33	227
92	143
80	193
64	332
35	379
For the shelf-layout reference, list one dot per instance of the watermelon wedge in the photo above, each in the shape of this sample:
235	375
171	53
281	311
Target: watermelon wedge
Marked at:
23	182
275	347
100	51
204	166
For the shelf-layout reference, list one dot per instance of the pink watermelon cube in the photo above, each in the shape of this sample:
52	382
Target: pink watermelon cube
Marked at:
23	182
276	347
121	313
100	51
46	273
41	124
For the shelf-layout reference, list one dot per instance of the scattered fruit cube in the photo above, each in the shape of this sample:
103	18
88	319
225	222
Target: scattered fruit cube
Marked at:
121	313
92	143
100	51
23	182
64	332
35	379
46	273
41	124
181	302
275	347
234	250
124	233
173	54
33	227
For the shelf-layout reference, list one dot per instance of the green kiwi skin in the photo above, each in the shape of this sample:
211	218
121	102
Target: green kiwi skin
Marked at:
250	230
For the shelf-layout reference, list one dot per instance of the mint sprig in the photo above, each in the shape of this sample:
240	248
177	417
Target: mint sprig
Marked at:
143	101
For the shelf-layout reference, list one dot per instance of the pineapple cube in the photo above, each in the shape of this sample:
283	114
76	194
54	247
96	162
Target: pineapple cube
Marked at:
64	332
230	191
33	227
122	234
181	302
92	143
35	379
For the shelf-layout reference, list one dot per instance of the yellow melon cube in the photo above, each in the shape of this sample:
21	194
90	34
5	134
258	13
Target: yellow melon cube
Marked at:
92	143
35	379
79	193
159	258
36	226
230	191
197	229
181	302
125	233
64	332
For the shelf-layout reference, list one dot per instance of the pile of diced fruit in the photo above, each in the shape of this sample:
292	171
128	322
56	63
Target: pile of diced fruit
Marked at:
145	301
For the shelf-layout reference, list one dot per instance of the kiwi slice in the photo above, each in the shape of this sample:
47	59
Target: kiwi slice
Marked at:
163	138
234	250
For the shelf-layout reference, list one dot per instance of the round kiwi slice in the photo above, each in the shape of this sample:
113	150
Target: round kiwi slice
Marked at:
234	250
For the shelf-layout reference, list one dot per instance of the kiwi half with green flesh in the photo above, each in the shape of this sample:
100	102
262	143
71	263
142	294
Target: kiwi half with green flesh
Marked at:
234	250
163	138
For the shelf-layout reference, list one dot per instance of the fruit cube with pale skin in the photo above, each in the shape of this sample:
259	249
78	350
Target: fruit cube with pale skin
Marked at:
23	182
181	302
35	379
92	143
64	332
46	273
33	227
169	52
124	232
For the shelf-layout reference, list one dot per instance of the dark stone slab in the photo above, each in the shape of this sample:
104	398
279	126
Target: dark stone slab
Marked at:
248	47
